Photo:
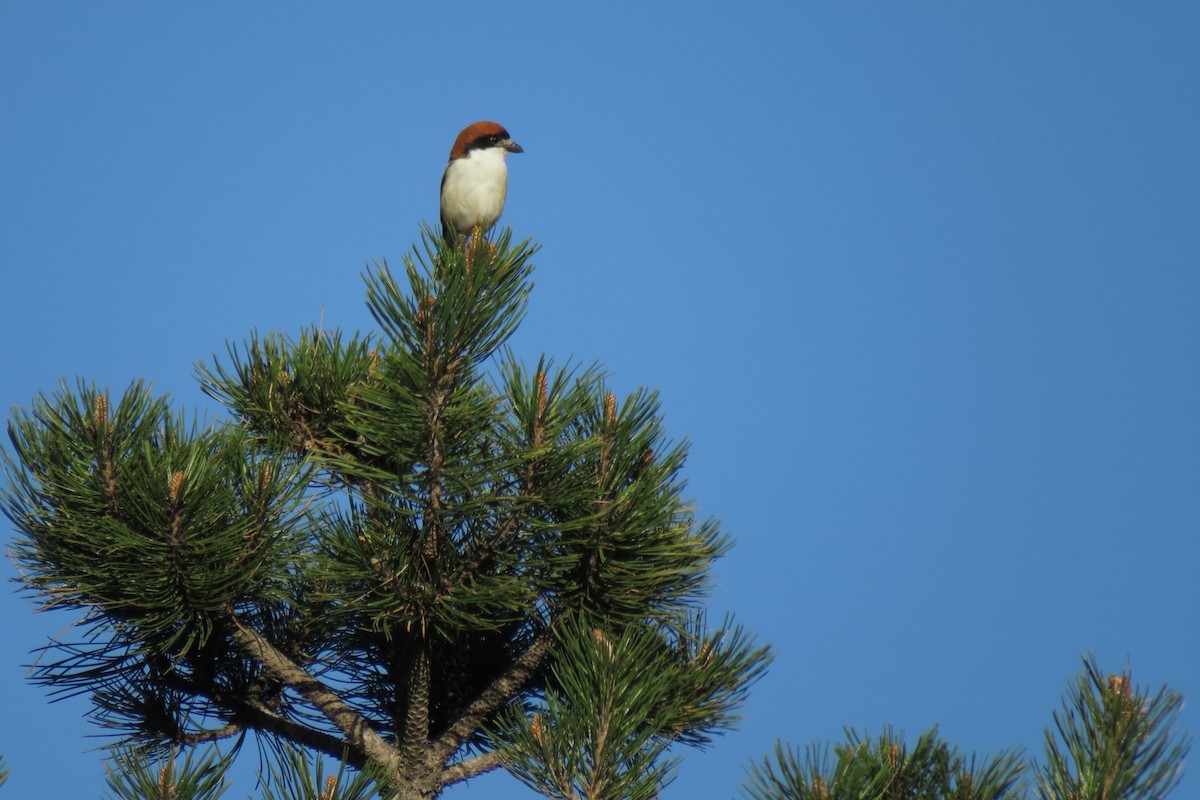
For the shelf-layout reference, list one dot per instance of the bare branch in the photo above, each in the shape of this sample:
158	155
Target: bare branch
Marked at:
360	736
262	718
224	732
469	768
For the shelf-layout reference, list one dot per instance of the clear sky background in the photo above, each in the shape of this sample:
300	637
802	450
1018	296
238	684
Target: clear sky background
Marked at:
919	281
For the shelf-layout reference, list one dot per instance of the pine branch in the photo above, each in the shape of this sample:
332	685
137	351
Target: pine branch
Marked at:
262	718
297	775
484	555
882	769
213	734
470	767
139	777
1113	742
360	735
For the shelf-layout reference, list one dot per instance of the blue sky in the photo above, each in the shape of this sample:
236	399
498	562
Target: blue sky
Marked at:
919	281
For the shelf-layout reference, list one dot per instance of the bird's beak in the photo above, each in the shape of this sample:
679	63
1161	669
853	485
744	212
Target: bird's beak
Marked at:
511	146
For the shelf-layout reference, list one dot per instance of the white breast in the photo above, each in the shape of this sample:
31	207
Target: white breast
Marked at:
473	189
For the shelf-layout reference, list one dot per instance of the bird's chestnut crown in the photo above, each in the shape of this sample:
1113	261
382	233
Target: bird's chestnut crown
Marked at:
481	135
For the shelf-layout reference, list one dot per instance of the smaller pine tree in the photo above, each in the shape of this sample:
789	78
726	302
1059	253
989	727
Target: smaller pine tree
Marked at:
1112	741
1109	742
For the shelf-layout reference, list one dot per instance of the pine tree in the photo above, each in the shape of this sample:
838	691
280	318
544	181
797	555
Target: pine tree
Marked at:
1109	742
408	552
1112	741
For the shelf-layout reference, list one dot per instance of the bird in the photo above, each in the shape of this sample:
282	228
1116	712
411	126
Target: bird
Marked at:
475	182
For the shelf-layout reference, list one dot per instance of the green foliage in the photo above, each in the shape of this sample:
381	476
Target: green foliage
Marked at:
615	702
1110	742
136	776
884	769
152	521
3	771
294	389
298	776
153	527
1113	742
381	550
